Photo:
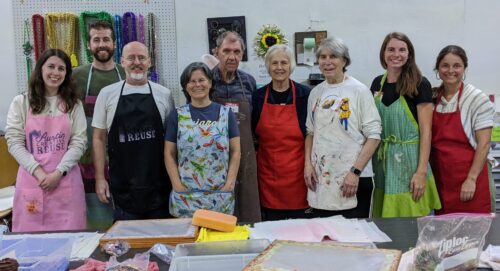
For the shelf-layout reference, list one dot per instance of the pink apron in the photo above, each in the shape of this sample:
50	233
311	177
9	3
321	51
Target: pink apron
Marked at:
47	138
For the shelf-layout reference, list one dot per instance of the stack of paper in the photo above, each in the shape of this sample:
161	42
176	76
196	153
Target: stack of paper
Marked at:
7	198
335	228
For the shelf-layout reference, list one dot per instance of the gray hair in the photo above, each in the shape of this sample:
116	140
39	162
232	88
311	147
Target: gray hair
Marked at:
280	48
232	36
337	47
186	76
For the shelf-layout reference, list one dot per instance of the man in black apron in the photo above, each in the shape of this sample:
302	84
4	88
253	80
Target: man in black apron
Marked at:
234	88
138	186
90	79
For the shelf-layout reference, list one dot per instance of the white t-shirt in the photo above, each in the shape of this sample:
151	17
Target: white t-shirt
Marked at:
364	121
107	101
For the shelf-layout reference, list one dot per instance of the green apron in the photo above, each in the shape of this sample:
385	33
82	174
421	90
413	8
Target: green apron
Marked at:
396	161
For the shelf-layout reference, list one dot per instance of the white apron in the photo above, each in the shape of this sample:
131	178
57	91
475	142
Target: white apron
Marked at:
333	154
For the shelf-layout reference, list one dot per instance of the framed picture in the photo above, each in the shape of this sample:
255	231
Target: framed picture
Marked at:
300	56
218	25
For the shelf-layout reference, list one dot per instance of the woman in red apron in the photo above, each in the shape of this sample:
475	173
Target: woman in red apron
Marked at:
461	132
278	121
46	134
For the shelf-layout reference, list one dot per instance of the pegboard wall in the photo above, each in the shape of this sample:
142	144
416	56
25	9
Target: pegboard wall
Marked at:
164	11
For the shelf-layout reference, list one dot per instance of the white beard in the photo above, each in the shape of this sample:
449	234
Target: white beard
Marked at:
137	76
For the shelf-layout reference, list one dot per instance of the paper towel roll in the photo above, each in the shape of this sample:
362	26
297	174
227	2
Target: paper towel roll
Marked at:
309	43
309	47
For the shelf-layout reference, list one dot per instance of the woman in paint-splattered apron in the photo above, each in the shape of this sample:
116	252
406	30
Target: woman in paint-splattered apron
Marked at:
343	132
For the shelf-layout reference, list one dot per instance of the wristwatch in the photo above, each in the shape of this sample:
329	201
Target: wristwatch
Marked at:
356	171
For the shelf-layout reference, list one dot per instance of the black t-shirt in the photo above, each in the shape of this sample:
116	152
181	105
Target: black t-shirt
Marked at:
390	95
280	97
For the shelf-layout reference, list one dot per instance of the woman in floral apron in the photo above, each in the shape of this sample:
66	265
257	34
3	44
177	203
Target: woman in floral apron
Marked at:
404	185
46	134
202	148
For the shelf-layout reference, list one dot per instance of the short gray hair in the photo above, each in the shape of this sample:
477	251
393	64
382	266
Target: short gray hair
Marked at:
337	47
232	36
186	76
277	48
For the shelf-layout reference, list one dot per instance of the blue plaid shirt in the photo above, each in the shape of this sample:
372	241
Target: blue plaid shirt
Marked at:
232	90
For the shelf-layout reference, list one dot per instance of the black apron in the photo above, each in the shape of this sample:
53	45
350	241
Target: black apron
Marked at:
138	179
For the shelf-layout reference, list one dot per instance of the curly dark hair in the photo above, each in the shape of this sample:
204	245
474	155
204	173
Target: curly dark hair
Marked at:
36	89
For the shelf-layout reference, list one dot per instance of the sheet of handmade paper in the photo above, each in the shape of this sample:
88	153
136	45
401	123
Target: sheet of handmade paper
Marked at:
181	227
325	258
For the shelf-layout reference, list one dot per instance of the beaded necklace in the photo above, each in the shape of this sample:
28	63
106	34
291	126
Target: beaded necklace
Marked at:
142	37
129	28
61	33
38	34
86	18
27	48
118	36
152	48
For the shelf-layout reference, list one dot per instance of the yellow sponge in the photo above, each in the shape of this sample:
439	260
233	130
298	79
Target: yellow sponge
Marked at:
214	220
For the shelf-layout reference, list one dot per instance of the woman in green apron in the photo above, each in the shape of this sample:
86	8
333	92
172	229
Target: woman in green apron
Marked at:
404	185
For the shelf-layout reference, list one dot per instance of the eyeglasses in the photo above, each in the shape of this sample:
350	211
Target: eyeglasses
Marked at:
132	58
199	81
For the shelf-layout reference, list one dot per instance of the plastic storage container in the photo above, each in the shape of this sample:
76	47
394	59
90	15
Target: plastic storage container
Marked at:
226	255
41	253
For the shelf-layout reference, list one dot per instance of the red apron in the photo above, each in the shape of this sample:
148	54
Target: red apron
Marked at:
280	159
47	138
451	159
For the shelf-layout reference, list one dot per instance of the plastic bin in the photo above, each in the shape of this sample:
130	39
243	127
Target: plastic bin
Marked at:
5	244
226	255
41	253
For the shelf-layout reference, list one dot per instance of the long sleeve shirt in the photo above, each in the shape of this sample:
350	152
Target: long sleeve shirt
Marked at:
16	136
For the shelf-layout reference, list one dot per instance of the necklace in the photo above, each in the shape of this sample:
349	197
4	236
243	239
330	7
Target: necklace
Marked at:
153	74
86	18
61	33
38	34
129	27
27	48
142	37
118	36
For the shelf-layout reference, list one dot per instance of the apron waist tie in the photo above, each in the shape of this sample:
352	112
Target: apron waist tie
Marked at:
392	139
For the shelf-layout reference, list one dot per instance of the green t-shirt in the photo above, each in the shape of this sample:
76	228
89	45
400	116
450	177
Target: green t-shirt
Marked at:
99	79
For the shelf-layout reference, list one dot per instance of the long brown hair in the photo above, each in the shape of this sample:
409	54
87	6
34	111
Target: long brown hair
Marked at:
410	76
37	91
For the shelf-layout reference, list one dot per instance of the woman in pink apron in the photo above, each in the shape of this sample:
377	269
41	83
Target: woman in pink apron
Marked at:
461	132
46	134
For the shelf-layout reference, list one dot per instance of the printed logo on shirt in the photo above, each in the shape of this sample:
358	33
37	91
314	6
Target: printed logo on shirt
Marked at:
41	143
207	124
345	113
136	135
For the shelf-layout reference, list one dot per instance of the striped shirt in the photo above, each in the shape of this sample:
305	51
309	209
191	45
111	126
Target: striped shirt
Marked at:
476	110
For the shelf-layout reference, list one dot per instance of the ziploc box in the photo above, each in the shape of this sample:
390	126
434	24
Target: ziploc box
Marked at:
40	253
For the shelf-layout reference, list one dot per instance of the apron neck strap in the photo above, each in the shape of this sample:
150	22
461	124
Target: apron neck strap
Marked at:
292	85
89	78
